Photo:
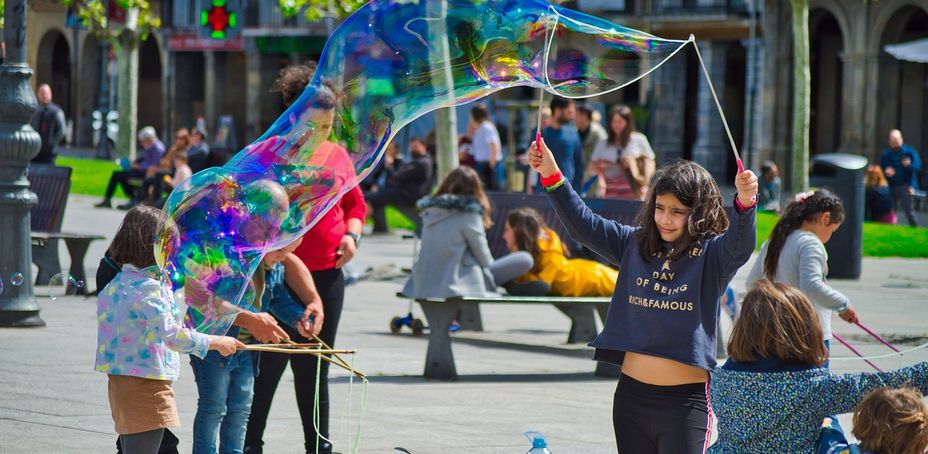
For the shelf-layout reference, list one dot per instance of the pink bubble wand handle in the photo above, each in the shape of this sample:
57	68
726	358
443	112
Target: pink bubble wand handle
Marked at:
877	337
740	166
854	350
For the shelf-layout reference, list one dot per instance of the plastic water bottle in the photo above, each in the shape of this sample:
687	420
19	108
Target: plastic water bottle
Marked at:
539	445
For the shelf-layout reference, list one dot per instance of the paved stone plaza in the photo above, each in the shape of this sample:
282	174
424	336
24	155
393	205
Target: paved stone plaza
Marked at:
516	376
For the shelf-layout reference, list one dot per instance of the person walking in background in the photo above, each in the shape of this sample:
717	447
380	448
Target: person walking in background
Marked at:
901	164
485	146
412	180
591	132
48	121
878	202
768	198
564	140
152	152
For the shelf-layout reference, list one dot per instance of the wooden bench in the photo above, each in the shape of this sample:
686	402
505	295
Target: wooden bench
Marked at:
439	359
582	311
52	184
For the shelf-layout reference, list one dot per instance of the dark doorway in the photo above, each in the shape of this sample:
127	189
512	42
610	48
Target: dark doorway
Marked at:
827	72
151	101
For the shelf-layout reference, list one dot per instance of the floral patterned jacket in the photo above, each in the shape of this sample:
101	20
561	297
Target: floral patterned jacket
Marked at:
139	329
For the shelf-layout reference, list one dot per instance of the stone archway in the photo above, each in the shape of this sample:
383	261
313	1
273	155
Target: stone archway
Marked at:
902	91
151	101
827	73
53	67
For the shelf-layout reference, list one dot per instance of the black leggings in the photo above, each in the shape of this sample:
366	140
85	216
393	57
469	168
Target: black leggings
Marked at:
331	286
660	419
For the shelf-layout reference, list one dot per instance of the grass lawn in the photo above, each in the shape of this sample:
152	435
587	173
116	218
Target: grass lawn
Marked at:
880	240
90	177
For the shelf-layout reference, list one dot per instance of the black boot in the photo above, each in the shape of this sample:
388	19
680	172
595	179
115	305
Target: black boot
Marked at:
530	288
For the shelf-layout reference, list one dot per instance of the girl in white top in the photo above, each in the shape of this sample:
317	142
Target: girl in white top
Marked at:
624	161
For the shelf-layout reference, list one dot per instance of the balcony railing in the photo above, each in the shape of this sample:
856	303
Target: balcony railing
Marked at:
700	6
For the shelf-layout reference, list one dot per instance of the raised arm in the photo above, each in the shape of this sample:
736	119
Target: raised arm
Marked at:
733	248
606	237
841	393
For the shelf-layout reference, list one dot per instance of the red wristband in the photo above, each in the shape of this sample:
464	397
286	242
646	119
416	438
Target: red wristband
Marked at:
552	179
742	207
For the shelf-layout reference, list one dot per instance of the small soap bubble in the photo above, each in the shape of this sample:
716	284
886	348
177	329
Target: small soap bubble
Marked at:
17	279
1	286
58	285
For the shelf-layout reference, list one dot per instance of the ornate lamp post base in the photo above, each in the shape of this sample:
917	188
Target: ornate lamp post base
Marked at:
19	143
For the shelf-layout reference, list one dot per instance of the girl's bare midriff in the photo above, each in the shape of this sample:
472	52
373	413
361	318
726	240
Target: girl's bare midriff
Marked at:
661	371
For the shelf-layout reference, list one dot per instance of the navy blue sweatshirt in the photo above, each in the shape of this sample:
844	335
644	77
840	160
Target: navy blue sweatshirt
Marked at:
668	309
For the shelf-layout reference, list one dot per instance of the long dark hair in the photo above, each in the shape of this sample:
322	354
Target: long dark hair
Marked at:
465	181
527	226
796	212
622	139
695	188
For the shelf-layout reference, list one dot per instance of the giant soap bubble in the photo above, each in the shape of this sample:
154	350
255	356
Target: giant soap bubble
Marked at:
386	65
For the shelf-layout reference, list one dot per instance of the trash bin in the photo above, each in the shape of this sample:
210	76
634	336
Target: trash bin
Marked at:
843	174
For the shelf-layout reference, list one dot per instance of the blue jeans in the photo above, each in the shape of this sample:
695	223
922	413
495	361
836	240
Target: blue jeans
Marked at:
226	388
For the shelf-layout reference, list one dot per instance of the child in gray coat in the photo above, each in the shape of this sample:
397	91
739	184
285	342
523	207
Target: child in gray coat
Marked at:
455	258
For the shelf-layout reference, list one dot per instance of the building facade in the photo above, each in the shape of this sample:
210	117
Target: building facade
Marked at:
859	92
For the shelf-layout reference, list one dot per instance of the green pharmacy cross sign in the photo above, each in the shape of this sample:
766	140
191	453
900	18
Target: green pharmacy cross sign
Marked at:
218	18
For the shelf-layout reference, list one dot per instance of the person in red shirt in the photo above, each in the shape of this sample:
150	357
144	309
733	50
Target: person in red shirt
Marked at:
326	248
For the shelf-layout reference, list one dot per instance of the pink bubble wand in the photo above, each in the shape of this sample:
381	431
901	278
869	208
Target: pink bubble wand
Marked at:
854	350
877	337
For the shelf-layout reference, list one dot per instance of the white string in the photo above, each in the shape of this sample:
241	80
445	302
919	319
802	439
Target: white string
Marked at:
553	88
887	355
731	139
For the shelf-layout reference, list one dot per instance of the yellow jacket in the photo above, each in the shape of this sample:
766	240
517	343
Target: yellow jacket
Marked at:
569	277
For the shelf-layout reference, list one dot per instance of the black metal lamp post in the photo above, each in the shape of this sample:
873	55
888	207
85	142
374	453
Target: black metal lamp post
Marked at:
19	143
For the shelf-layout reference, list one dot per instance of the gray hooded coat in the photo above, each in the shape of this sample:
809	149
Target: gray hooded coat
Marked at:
454	258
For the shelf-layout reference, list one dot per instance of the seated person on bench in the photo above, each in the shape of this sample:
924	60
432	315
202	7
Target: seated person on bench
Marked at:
454	259
410	181
151	154
526	231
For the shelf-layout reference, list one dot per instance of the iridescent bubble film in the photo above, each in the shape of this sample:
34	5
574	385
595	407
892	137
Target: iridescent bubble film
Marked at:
17	279
386	65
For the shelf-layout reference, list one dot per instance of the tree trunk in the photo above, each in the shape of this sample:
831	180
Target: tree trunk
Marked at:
799	174
127	56
446	137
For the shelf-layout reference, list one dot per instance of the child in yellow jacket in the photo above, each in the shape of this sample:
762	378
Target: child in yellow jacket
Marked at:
526	231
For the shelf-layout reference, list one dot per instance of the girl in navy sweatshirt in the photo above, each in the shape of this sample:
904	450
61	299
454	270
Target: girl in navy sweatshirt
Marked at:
676	262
